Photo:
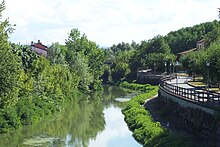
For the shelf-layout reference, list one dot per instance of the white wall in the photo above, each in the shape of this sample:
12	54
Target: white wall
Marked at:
39	51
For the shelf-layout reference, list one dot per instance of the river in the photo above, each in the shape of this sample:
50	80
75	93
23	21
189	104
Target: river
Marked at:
90	120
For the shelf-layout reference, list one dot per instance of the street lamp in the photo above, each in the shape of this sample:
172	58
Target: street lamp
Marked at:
165	64
208	65
155	68
170	67
177	64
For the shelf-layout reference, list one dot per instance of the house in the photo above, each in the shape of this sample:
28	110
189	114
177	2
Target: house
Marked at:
199	46
39	48
148	76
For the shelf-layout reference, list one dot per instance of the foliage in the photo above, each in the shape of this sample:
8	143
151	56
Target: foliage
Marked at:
33	86
10	67
120	68
57	53
196	63
92	58
155	52
121	47
127	59
191	62
155	45
145	130
8	119
186	38
210	55
134	86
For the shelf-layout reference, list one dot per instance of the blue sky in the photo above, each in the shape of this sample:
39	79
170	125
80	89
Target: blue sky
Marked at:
105	22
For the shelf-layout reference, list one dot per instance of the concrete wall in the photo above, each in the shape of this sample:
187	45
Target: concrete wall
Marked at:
201	122
185	103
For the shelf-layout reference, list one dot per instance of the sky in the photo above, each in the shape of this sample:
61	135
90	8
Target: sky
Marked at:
105	22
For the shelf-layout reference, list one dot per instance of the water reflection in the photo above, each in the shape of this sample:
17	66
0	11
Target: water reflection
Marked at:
116	132
96	121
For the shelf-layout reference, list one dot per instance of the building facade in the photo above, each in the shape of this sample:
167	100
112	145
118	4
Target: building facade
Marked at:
39	48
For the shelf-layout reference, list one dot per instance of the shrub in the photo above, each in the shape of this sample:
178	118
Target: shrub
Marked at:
140	122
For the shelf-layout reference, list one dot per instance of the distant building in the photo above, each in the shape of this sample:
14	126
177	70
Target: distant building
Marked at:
148	76
199	46
39	48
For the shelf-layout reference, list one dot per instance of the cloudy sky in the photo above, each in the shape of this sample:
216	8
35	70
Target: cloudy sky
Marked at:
106	22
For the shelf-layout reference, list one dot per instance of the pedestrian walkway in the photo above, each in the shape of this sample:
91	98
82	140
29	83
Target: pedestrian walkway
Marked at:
179	86
181	81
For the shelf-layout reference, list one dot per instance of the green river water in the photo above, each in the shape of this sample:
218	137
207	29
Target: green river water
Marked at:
94	121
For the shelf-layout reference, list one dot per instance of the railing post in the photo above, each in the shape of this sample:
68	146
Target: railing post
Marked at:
198	97
218	99
213	100
190	94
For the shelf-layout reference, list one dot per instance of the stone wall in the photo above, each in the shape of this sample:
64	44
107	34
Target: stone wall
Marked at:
201	122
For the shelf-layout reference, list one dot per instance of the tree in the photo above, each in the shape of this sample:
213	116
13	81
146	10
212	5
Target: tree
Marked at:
10	67
120	68
57	53
212	55
155	45
186	38
80	49
192	62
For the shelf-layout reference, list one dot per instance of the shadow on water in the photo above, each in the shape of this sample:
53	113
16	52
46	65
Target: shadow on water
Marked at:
79	124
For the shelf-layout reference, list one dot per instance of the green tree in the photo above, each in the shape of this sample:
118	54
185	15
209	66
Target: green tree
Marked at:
80	49
121	69
192	62
57	53
10	66
155	45
186	38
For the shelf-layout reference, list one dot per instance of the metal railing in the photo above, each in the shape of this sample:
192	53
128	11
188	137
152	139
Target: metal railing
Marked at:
200	96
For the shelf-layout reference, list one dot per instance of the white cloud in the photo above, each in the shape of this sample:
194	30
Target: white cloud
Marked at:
105	22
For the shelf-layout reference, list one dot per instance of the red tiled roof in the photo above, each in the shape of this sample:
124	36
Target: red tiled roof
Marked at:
40	46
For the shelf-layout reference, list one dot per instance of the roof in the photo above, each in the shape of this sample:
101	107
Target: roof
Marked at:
40	46
200	41
186	52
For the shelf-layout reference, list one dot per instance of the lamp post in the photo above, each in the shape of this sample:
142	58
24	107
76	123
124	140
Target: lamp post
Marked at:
155	68
165	64
208	65
170	67
177	64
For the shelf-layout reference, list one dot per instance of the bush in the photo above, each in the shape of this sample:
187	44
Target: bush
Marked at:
135	86
8	119
140	122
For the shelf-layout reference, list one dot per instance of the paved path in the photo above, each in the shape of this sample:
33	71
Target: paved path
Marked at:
181	81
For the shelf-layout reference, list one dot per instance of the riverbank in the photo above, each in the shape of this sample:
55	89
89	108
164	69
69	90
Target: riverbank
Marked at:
91	120
145	130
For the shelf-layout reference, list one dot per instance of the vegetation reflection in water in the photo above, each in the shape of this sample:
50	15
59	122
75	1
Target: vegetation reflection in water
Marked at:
85	122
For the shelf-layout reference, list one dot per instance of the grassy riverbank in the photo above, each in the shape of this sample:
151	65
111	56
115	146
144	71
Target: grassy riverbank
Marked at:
140	122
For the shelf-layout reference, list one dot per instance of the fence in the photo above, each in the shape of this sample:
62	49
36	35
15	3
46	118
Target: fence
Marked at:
203	97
